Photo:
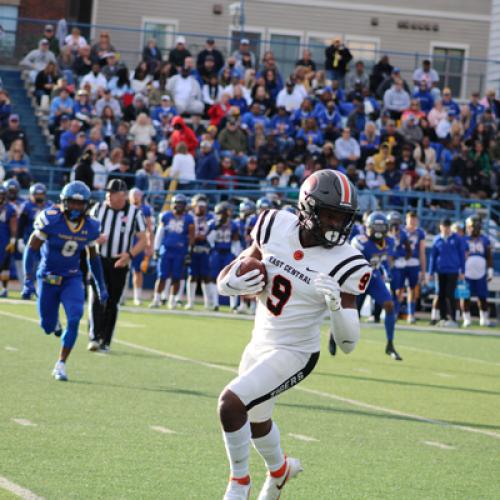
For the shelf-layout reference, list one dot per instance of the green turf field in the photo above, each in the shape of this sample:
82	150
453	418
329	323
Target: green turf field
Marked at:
141	423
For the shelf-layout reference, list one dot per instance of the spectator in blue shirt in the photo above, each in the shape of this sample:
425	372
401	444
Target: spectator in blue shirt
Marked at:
5	108
207	166
357	119
476	110
61	105
254	116
423	94
449	104
447	261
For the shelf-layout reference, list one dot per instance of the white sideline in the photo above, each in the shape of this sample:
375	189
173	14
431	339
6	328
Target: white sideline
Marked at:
301	437
439	445
328	395
17	490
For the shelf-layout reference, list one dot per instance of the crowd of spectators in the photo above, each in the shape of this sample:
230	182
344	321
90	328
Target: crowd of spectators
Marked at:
204	119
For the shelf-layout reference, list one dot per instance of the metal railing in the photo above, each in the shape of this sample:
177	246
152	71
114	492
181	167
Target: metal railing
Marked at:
429	206
22	34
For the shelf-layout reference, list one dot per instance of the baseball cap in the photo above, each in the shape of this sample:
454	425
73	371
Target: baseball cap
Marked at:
116	186
370	160
165	97
206	144
49	27
64	117
445	221
396	70
103	146
14	118
44	41
210	58
245	41
210	40
180	39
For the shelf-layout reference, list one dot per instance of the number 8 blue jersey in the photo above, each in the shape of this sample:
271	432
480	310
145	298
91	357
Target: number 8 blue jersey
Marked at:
63	242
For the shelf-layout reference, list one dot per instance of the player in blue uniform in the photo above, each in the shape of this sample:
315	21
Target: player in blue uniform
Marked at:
31	208
17	201
246	221
173	241
263	204
61	233
199	270
402	252
478	269
378	249
140	262
416	265
8	229
224	238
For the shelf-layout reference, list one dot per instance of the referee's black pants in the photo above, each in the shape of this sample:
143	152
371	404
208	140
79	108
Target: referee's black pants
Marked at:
103	318
447	282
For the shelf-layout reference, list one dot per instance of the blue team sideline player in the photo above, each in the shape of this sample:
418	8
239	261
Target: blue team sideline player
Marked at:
402	252
173	241
416	265
140	262
8	230
199	270
378	249
61	233
224	238
478	269
36	202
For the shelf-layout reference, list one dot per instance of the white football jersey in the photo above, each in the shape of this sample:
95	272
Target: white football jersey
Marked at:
289	310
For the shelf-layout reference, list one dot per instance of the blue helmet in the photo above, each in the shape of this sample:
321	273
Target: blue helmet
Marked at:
180	201
12	187
77	191
377	226
290	208
247	207
264	203
394	219
38	188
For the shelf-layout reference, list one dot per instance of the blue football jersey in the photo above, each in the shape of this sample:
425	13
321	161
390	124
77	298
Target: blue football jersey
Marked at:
224	234
176	234
29	212
63	241
7	210
245	227
376	255
414	239
400	240
201	224
477	246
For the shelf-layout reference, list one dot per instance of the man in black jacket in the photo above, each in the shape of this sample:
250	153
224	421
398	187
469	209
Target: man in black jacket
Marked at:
337	58
210	50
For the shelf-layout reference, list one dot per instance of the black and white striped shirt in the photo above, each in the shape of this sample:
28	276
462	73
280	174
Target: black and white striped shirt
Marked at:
119	226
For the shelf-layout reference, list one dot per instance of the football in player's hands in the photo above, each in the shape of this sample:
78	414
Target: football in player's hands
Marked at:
248	264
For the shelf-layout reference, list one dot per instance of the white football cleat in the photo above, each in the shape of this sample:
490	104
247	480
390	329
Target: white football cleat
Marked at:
237	489
188	307
93	346
272	487
484	322
154	305
137	302
59	371
467	323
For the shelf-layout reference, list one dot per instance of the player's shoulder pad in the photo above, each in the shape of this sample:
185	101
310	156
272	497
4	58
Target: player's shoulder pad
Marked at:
47	217
94	227
267	224
351	267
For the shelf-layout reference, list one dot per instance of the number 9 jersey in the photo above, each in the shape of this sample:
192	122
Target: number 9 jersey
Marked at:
63	241
290	311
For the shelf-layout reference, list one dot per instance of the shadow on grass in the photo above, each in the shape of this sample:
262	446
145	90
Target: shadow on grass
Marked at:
409	384
387	416
170	390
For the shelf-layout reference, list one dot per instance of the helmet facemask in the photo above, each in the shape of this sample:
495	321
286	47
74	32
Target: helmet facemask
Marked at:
73	213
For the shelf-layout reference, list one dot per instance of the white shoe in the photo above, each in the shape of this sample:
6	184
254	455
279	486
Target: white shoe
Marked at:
59	371
171	307
154	305
137	302
411	320
241	309
484	322
188	307
272	488
93	346
450	323
237	491
467	323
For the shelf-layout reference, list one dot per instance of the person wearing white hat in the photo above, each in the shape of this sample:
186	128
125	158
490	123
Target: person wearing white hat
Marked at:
178	54
244	49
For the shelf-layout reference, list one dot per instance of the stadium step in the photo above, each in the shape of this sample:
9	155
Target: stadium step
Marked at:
21	105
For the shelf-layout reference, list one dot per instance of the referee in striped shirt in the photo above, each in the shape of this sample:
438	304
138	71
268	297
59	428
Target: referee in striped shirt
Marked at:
120	222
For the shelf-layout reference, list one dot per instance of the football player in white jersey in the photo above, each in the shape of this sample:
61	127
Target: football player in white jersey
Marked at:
311	271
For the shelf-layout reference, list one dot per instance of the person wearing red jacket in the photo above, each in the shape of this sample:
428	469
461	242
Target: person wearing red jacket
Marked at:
182	133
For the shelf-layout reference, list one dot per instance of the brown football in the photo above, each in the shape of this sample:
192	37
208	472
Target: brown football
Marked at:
250	263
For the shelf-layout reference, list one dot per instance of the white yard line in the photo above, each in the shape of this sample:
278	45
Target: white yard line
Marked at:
163	430
127	324
327	395
24	422
301	437
11	349
17	490
439	445
445	375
